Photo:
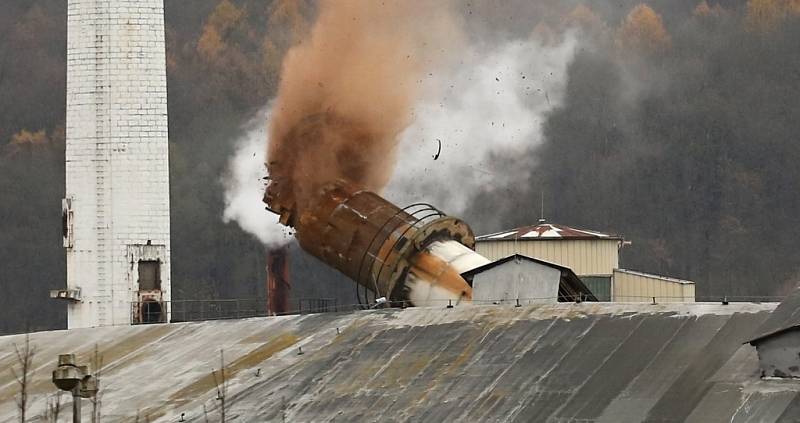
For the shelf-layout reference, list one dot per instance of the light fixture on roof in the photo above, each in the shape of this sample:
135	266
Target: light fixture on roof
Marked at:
70	377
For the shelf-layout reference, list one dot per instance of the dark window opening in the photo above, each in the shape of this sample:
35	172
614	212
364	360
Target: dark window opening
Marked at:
599	285
149	275
64	224
152	312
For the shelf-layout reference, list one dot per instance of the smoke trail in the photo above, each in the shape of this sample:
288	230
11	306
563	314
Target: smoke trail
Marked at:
495	102
244	186
347	92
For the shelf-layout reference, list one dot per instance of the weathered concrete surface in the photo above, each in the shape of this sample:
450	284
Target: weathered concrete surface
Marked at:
785	317
589	362
779	354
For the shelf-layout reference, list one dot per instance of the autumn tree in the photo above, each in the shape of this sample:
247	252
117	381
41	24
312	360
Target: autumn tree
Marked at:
288	23
25	139
764	16
225	16
643	31
704	10
584	18
792	8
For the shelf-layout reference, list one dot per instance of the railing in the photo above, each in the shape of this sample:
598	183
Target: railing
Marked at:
198	310
317	305
201	310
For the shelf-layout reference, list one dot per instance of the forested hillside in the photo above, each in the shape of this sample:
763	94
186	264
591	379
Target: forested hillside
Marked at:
679	129
223	61
684	138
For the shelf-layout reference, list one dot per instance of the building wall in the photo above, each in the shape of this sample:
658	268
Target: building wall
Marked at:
117	173
584	257
630	286
521	279
778	355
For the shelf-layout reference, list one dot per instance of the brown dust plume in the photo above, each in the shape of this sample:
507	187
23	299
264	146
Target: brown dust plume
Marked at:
348	91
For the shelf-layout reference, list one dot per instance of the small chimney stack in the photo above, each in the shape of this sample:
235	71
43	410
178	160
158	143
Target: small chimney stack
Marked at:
278	284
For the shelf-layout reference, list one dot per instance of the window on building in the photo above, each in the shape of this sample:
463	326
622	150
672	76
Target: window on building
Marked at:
149	275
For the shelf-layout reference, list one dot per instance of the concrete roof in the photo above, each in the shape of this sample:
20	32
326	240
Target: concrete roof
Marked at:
546	231
593	362
785	317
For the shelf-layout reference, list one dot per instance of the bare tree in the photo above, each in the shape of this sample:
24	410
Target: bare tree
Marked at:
22	376
53	408
97	365
221	384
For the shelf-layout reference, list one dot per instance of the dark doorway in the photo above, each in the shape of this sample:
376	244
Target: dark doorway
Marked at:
152	312
149	275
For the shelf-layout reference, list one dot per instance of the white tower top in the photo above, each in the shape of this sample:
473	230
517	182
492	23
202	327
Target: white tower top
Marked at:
116	210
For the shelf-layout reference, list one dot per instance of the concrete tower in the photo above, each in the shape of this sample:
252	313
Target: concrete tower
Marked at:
116	210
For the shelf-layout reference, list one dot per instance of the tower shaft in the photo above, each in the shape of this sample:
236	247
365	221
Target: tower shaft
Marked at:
117	228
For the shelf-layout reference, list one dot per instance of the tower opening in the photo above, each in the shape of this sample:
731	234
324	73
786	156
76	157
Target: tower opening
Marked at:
152	312
149	275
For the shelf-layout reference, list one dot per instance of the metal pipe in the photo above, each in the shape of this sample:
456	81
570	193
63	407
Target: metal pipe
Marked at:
76	405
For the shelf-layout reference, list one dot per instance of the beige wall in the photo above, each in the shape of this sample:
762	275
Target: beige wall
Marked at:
630	286
584	257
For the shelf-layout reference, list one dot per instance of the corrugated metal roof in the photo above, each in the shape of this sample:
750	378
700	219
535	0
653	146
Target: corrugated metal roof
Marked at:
546	231
785	317
588	362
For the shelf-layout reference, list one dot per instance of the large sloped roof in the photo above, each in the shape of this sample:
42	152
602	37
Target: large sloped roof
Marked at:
785	317
546	231
588	362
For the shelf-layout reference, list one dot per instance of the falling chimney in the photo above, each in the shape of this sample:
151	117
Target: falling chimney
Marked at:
278	284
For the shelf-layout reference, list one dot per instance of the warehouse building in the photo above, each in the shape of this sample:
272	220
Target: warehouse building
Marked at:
592	255
628	286
523	280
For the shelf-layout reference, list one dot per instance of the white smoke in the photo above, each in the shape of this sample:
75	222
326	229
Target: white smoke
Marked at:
496	100
244	187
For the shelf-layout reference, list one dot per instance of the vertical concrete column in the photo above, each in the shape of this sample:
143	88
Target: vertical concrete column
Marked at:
117	167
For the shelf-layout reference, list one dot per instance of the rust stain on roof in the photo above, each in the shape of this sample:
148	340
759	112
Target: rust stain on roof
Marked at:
206	383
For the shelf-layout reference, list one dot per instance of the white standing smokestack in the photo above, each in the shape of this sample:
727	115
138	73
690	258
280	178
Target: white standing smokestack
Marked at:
117	175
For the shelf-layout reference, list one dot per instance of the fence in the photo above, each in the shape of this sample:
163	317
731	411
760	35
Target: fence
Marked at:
200	310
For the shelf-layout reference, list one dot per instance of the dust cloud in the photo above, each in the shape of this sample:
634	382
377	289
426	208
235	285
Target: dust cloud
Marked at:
348	91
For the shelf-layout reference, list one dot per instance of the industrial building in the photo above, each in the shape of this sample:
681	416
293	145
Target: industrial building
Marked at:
592	255
516	352
631	286
522	280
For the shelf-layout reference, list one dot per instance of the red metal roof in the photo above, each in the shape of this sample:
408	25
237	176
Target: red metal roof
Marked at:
546	231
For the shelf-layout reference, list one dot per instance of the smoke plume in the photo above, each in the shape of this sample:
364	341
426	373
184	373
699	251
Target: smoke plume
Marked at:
494	102
244	186
347	92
